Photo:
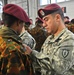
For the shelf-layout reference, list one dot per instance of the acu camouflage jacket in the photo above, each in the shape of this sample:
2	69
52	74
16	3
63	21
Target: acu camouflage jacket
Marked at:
56	56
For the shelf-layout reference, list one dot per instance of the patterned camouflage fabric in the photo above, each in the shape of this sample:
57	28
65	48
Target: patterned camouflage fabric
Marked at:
70	27
56	56
39	35
28	39
13	60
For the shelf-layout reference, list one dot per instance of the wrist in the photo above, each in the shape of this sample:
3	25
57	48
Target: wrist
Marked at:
30	52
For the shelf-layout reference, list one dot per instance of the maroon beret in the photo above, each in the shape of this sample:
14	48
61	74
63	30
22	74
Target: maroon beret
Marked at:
39	20
49	9
16	11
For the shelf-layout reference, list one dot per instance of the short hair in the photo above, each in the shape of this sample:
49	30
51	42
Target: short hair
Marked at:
60	12
66	17
8	20
72	21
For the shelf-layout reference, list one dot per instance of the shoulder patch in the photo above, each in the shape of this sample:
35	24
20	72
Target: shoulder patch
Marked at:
65	53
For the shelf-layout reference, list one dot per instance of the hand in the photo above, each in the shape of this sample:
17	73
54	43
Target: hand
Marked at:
28	49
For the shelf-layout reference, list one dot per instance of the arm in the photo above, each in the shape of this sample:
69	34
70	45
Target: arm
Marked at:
27	39
62	60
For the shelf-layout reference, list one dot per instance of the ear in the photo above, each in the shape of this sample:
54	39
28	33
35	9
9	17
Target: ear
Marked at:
18	22
57	17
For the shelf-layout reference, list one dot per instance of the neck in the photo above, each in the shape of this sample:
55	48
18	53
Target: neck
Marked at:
60	28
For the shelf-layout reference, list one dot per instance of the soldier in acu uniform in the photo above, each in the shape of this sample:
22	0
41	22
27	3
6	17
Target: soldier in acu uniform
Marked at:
57	53
27	38
13	59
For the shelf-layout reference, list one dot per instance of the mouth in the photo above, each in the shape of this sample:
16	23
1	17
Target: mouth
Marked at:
46	28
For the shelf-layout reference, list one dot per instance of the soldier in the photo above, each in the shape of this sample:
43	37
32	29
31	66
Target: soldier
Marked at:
27	38
70	25
66	20
39	34
57	53
13	59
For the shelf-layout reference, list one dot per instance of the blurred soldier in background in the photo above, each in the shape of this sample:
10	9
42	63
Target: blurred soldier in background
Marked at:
70	25
39	34
66	20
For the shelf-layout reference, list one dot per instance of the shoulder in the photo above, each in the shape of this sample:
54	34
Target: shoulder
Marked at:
9	44
69	35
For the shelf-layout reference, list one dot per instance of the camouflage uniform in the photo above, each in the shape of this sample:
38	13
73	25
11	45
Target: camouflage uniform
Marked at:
13	60
70	27
56	56
28	39
40	36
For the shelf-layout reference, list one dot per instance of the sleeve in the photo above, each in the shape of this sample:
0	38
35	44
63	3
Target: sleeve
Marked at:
41	62
28	40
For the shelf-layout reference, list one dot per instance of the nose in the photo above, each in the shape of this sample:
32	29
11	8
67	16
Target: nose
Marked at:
44	24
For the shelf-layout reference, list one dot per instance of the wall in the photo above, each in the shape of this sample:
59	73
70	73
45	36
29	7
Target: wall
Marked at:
1	5
33	6
69	8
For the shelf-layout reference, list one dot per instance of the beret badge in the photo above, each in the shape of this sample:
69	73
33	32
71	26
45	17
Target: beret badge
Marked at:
42	12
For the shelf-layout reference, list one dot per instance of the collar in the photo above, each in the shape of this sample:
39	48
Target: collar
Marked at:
7	32
59	37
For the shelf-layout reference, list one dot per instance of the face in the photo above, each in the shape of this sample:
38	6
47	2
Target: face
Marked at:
66	19
50	23
20	27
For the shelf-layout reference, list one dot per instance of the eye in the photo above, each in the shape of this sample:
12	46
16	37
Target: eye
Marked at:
46	19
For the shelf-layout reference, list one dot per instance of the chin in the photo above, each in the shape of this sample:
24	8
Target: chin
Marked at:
48	31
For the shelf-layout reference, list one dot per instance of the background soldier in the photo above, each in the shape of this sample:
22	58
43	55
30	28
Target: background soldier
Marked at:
39	33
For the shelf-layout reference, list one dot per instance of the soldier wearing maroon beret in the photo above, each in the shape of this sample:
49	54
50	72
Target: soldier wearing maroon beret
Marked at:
13	59
57	53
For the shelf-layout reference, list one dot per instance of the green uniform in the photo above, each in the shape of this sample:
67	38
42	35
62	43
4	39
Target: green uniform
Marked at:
13	60
56	56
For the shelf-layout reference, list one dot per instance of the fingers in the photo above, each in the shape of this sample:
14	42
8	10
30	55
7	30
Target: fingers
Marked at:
28	49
